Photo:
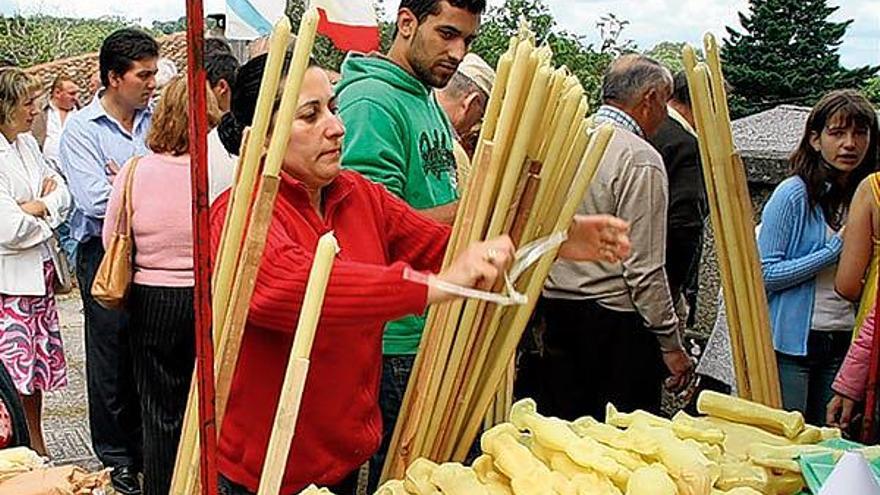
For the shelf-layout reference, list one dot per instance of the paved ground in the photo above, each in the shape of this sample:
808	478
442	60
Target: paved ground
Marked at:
65	421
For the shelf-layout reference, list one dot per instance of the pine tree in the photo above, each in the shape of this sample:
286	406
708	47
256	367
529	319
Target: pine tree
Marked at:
786	52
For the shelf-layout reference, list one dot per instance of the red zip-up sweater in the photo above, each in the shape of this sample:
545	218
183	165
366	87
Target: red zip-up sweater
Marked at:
339	425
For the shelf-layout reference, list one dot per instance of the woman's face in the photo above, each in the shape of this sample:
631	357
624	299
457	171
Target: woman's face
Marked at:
315	146
23	114
842	146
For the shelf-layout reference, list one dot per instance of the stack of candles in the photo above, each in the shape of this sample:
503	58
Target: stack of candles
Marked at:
731	213
533	163
245	230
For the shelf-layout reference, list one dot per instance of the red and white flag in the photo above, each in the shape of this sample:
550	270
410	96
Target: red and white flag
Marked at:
352	25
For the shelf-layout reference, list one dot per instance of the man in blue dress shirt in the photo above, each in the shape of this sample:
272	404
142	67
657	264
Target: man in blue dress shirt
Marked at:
95	144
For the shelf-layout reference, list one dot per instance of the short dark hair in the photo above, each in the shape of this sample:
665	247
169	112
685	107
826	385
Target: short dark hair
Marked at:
680	91
121	49
423	8
221	67
215	46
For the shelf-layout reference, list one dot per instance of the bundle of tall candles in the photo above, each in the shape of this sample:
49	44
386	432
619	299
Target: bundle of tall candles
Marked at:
533	163
241	249
731	214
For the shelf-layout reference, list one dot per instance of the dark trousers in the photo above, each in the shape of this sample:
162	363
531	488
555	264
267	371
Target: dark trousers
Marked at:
395	378
348	486
114	414
593	356
806	380
163	353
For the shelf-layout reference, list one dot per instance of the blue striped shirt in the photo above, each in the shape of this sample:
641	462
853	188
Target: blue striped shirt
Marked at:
91	139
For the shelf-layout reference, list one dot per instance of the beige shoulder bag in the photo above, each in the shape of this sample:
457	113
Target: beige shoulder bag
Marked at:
114	275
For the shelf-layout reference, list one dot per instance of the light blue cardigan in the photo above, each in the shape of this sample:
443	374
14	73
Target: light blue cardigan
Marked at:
793	248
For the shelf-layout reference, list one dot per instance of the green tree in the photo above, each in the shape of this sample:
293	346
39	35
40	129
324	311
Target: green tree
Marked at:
668	53
872	90
786	52
36	39
500	23
169	27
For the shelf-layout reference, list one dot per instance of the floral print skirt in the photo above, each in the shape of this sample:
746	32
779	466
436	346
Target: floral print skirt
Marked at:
30	339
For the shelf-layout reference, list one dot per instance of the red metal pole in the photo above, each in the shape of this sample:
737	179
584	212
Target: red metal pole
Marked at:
198	132
869	422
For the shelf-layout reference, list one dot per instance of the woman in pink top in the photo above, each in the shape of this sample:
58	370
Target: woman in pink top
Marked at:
857	277
160	303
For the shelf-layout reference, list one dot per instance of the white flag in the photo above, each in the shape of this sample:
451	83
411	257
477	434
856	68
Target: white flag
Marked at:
252	19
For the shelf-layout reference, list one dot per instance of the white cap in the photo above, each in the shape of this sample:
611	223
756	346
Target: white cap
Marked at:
477	70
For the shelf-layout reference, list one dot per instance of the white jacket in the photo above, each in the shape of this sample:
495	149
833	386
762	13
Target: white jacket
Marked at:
22	236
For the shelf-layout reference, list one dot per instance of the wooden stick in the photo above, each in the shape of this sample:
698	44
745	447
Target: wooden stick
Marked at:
294	384
183	477
517	319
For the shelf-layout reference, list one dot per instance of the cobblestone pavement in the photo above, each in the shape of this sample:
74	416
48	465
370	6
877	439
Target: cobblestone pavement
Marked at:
65	415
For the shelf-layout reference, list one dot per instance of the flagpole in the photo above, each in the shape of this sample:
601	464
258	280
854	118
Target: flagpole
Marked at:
198	131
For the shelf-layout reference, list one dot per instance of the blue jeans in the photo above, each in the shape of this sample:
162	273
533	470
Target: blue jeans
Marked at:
68	244
806	380
395	378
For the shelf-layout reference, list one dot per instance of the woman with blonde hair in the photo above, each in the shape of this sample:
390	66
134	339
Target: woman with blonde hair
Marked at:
160	303
33	201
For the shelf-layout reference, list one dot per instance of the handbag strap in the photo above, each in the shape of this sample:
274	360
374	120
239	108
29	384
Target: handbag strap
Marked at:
123	219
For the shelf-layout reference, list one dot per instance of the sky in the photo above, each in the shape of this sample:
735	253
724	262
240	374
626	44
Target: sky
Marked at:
651	21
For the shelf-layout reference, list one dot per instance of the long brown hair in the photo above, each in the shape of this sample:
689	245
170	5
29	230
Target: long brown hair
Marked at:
832	197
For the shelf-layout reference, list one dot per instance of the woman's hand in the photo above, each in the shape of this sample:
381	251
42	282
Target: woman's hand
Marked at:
477	267
34	208
596	238
840	411
49	186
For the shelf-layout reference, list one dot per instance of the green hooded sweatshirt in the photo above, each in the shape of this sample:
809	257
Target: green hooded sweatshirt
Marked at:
397	134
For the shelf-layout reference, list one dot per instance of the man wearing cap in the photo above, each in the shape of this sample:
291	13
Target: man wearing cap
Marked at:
464	99
397	134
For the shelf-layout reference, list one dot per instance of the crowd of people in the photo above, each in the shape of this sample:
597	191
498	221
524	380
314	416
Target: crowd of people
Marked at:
379	157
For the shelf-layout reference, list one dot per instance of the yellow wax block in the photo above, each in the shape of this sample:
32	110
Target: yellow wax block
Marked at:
305	39
616	418
553	433
788	423
651	480
393	487
455	479
686	426
418	477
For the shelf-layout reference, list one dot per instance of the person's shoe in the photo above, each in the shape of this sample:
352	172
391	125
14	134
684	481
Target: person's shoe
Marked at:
125	480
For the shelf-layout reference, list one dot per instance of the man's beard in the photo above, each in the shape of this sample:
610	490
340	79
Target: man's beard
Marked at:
422	70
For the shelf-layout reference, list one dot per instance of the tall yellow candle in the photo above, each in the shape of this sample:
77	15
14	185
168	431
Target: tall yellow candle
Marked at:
250	163
305	38
297	367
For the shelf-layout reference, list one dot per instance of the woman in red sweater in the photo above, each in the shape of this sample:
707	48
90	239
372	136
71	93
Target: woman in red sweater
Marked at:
339	425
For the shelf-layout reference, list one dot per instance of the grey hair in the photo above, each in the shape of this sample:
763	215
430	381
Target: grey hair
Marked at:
631	76
461	85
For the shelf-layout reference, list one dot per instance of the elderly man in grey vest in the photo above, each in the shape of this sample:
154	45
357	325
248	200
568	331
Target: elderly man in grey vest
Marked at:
611	329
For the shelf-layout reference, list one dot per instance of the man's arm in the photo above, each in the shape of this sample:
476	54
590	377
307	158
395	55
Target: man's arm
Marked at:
643	203
86	175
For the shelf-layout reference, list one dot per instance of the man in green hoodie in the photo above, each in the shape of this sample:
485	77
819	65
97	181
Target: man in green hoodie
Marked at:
398	135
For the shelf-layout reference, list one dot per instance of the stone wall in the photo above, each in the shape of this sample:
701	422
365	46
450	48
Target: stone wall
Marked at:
81	68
